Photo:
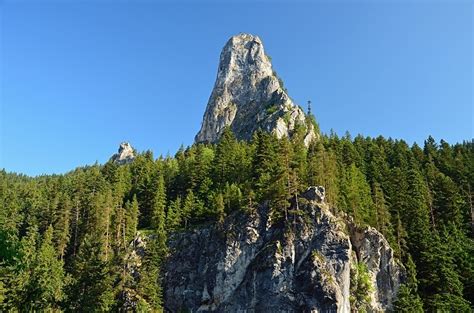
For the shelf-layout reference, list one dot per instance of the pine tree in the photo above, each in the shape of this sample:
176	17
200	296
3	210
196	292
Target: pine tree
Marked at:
232	196
37	280
20	281
281	186
131	215
142	171
173	216
408	299
219	208
149	288
159	204
264	164
447	202
224	169
316	166
358	196
441	284
361	287
48	279
383	218
91	289
188	208
62	225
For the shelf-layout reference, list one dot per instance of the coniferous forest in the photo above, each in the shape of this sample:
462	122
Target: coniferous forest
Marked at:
66	240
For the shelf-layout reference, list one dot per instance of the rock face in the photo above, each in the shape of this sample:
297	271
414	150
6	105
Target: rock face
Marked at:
124	155
373	249
249	264
248	96
315	193
133	264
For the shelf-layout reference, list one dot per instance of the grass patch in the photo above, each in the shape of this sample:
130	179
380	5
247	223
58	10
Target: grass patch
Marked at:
272	109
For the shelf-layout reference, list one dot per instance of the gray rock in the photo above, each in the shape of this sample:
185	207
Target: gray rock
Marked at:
315	193
124	155
133	264
248	96
372	248
248	264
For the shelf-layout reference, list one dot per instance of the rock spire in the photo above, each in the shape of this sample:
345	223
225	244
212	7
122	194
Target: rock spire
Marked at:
248	95
124	155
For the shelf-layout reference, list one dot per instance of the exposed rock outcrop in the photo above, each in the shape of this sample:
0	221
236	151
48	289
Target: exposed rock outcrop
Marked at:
133	264
248	96
124	155
372	248
249	264
315	193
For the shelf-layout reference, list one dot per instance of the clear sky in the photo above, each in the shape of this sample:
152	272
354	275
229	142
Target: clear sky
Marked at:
79	77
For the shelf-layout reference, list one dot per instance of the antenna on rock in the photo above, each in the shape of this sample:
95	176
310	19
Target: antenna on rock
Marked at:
309	107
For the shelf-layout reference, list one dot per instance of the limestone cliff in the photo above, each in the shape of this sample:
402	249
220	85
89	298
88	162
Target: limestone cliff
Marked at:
248	96
125	154
249	264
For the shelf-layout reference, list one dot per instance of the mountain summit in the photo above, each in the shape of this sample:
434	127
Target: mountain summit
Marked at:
248	95
124	155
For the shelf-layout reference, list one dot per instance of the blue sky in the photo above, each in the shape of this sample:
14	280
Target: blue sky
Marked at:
79	77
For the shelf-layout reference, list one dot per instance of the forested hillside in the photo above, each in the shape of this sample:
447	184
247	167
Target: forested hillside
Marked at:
65	240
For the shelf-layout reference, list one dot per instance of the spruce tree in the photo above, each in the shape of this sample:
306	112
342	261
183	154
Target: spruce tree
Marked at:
173	216
188	208
159	204
48	280
383	218
408	299
91	289
132	215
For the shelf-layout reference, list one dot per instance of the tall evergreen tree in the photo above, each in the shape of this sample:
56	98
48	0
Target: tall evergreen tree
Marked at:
131	215
48	280
91	289
159	204
173	216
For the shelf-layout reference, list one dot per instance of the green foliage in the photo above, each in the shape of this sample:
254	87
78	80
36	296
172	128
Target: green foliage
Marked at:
159	204
48	279
287	118
361	287
356	196
173	217
131	216
382	215
311	120
322	170
91	289
219	207
149	288
407	301
37	280
271	109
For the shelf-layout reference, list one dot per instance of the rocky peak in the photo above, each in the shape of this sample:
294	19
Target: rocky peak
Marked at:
124	155
248	95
